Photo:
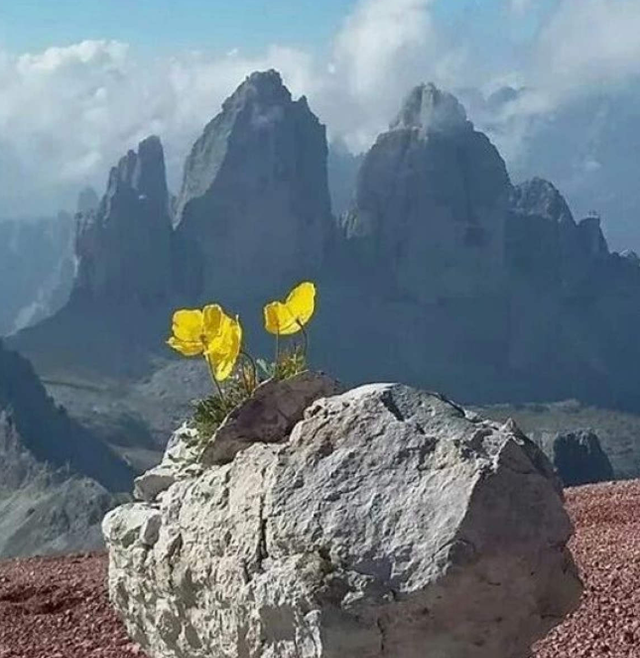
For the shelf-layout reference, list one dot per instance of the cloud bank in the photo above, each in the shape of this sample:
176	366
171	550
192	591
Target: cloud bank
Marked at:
68	113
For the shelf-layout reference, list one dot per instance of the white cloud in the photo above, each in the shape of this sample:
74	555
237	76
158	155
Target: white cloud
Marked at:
68	113
587	44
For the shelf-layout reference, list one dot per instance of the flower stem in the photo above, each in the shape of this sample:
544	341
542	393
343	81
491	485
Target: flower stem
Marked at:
305	338
277	361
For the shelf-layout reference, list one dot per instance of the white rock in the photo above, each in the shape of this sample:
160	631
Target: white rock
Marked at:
389	525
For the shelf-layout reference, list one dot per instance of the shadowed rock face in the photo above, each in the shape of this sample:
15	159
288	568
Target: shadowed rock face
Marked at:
431	203
575	307
46	430
580	459
56	478
124	247
254	211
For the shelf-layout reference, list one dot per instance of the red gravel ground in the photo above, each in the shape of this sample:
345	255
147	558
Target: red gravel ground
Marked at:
58	607
607	549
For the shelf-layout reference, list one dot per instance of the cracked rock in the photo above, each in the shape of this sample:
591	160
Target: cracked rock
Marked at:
389	523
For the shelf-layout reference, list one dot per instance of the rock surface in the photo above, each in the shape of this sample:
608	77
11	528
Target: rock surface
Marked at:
267	417
391	521
580	459
431	203
124	247
255	196
57	480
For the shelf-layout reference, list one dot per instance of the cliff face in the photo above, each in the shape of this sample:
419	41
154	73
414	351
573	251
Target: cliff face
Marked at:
575	306
431	204
56	478
124	246
254	210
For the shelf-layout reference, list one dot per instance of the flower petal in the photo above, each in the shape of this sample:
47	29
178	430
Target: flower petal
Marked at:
224	349
186	348
278	320
188	325
212	318
301	302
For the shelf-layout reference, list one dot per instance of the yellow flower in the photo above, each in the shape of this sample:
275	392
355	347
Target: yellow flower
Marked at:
223	351
290	316
210	332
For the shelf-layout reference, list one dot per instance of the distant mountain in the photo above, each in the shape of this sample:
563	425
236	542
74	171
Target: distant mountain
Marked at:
124	245
431	204
56	478
36	269
441	273
487	291
588	146
255	196
342	169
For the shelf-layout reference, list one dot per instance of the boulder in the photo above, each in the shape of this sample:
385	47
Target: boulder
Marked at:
580	459
390	523
180	460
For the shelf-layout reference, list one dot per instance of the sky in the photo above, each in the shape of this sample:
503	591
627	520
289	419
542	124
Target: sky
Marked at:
169	25
82	81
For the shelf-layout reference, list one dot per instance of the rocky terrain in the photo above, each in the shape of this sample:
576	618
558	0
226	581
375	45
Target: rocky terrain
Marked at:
58	607
57	479
617	431
490	291
441	273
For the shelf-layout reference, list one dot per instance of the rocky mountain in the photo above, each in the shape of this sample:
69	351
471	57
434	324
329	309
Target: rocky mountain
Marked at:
124	246
36	269
342	171
575	306
56	478
441	274
254	212
586	145
431	204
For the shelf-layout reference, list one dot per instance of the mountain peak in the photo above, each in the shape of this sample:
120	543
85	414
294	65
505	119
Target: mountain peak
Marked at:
142	171
263	86
429	110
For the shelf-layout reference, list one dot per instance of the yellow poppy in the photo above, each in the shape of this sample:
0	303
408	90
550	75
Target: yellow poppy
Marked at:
223	351
290	316
193	330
